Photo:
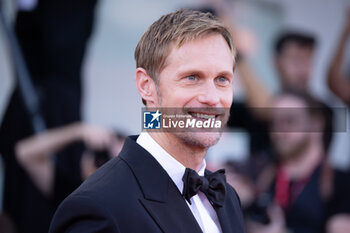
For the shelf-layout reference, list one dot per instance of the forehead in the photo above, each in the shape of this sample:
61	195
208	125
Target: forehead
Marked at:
289	101
294	47
289	106
211	51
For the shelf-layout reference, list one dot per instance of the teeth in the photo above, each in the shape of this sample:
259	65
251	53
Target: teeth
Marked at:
204	116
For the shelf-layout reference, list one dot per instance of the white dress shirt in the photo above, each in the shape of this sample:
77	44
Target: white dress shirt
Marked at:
201	207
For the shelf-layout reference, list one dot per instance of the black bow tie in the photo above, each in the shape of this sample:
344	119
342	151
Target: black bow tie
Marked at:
212	185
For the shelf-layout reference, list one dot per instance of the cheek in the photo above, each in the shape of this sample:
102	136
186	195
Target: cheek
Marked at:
173	95
227	98
286	138
176	97
296	138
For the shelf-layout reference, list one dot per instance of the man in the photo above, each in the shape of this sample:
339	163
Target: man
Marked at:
184	60
293	57
302	181
294	60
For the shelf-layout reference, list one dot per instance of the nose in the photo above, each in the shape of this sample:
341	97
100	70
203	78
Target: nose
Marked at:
209	95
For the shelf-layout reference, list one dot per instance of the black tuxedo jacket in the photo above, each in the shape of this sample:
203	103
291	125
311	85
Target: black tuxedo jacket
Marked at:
133	193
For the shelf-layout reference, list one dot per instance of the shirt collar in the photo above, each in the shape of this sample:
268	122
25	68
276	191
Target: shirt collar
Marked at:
173	167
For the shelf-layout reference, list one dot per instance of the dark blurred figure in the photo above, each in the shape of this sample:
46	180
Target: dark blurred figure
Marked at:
53	39
302	186
339	205
244	176
339	82
56	180
6	224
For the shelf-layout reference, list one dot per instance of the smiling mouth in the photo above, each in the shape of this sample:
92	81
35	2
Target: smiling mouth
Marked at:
203	116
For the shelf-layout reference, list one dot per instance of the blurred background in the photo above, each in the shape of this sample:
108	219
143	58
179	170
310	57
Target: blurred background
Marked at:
98	67
108	69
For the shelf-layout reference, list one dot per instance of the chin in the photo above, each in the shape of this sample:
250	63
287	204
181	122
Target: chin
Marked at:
200	139
292	151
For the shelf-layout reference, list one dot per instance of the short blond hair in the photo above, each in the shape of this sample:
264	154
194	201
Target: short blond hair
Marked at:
177	27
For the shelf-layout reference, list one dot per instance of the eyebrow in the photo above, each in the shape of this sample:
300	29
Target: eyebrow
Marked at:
226	73
201	73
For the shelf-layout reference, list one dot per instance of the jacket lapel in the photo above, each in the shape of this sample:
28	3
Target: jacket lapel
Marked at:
161	198
230	214
172	216
224	220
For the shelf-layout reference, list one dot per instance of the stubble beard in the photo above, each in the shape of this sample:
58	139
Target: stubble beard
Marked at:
295	152
202	140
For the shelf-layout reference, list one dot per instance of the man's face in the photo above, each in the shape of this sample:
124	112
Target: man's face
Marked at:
290	127
198	75
294	65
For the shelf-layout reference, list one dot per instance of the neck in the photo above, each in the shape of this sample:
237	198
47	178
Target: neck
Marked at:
302	166
189	156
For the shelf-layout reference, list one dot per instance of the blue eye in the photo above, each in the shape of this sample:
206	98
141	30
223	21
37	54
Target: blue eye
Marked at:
223	80
191	77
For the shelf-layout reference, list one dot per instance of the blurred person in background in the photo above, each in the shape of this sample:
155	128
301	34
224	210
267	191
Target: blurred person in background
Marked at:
37	154
53	36
294	63
302	180
339	84
294	55
302	186
338	81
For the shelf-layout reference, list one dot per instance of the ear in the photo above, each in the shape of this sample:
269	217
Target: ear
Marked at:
146	87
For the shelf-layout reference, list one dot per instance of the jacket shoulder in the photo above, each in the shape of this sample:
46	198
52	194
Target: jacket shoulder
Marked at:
99	201
233	195
79	213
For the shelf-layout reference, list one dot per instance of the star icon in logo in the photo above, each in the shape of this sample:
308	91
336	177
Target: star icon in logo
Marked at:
155	115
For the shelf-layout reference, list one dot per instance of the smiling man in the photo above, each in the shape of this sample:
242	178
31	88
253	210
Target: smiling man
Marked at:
158	183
